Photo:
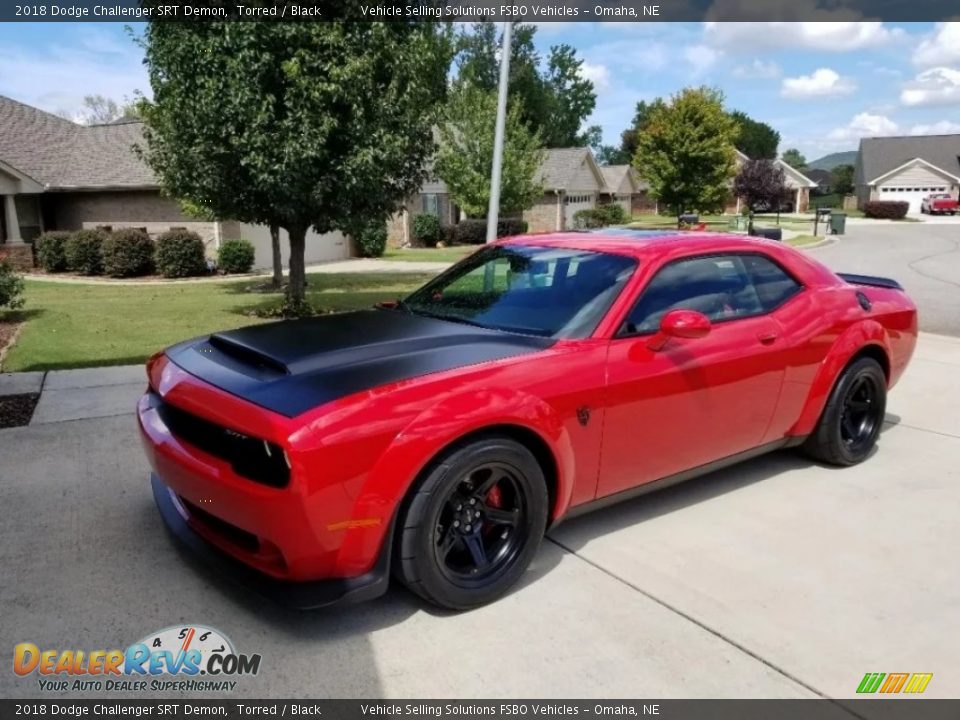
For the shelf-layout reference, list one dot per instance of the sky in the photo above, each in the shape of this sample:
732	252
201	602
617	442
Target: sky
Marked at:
823	86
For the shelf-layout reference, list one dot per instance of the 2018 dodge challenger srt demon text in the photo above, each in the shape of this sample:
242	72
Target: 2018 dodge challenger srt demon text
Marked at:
436	438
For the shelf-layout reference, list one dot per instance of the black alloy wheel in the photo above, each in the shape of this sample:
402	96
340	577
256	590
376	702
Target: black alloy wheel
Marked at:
851	420
472	523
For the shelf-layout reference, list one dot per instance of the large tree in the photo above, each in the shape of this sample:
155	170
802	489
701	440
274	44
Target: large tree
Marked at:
761	184
641	116
298	125
554	97
843	179
756	139
466	154
686	151
795	159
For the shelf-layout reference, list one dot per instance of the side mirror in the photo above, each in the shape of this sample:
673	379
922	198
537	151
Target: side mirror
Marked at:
688	324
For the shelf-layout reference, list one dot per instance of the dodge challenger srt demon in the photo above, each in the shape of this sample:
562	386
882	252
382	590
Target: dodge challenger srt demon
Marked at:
437	437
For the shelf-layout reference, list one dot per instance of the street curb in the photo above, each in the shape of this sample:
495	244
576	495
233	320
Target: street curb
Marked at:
812	246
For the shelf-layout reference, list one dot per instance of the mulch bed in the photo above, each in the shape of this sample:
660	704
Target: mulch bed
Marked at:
7	330
16	410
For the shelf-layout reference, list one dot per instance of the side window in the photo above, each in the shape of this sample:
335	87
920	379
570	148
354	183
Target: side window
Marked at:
773	285
718	286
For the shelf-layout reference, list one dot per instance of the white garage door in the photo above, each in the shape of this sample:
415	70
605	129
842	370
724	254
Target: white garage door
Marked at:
573	204
912	194
319	248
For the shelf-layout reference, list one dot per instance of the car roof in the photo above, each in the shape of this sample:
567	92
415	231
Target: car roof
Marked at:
644	243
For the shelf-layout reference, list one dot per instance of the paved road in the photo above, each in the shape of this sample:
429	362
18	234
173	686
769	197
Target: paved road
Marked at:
777	578
924	257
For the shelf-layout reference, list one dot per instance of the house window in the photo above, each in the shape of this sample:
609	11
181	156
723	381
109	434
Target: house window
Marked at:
431	204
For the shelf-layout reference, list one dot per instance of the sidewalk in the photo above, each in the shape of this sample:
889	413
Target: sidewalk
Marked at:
355	265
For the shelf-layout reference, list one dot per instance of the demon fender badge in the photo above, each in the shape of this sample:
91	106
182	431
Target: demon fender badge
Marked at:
583	415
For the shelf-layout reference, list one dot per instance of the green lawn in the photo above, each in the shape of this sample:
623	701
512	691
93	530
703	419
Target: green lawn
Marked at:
656	222
73	325
447	254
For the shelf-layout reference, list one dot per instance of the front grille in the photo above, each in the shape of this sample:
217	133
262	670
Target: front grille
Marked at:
241	538
250	457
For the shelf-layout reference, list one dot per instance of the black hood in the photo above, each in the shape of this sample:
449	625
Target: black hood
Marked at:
294	365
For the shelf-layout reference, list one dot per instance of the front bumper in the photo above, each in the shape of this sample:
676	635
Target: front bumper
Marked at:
302	595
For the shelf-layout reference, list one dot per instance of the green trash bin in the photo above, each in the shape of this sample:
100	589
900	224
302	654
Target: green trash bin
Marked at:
838	223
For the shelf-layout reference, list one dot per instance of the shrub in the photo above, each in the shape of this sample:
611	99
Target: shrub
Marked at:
886	209
180	253
426	230
236	256
372	239
50	248
473	231
84	251
588	219
613	214
128	252
11	286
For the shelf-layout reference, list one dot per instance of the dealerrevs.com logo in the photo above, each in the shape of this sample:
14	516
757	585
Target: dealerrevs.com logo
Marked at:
177	658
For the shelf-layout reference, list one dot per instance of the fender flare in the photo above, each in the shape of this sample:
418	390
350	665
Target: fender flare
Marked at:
437	428
868	333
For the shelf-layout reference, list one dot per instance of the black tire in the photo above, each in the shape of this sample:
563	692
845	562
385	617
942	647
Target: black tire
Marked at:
851	421
440	547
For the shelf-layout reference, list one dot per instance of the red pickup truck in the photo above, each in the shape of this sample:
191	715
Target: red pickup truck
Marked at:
939	204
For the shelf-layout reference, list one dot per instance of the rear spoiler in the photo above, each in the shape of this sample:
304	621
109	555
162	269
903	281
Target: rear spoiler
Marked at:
870	280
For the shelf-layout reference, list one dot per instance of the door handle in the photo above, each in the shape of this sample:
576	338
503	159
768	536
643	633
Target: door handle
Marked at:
767	338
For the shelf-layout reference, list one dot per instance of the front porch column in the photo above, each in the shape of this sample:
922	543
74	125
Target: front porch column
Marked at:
10	218
796	205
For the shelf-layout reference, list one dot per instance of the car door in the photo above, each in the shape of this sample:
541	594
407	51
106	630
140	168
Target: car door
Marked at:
693	401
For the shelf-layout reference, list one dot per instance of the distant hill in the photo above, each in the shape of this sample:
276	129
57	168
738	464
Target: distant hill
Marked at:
829	162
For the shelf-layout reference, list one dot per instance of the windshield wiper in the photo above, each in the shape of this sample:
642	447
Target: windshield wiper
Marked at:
441	316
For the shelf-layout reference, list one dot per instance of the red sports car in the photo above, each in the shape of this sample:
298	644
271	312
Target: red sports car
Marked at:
437	438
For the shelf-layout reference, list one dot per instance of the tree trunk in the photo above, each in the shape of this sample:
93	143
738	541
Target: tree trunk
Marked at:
277	260
298	280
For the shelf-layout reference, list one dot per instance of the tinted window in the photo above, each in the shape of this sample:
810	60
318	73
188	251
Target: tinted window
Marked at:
771	282
717	286
538	291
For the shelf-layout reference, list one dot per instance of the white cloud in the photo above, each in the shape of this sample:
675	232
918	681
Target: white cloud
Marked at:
864	125
823	82
874	125
599	75
941	47
944	127
700	57
936	86
822	36
757	70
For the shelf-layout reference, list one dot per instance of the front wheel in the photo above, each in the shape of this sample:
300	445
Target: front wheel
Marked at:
473	524
851	420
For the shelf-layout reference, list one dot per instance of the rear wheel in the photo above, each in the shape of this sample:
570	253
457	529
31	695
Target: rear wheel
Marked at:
473	524
851	420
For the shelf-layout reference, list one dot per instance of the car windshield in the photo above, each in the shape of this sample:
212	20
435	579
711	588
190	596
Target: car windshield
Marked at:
541	291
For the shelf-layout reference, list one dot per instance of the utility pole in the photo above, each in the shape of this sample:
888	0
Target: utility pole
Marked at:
493	211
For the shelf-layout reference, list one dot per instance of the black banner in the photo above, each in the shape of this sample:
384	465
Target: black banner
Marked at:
493	10
881	709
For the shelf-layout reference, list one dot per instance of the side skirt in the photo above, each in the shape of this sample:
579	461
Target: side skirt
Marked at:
679	477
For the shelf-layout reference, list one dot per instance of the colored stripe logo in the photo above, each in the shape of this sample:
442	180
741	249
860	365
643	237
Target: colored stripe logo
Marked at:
913	683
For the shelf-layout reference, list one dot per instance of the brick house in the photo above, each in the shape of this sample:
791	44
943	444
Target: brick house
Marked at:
798	187
572	181
57	175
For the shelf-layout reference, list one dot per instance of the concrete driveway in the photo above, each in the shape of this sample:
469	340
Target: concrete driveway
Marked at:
923	257
777	578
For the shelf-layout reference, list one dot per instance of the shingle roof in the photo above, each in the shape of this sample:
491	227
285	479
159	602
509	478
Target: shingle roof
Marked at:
880	155
561	166
61	154
614	175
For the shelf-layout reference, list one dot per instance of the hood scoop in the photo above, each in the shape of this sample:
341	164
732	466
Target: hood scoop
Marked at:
246	354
